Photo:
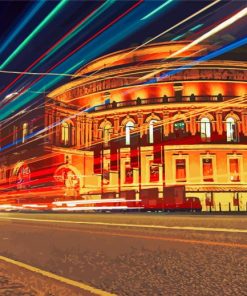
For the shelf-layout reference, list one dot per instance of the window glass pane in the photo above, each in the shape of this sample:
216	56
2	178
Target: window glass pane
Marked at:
205	129
207	167
180	170
106	177
179	126
231	130
106	134
151	131
129	175
129	126
65	133
234	169
154	173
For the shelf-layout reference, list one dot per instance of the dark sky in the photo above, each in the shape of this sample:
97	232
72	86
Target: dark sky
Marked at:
106	26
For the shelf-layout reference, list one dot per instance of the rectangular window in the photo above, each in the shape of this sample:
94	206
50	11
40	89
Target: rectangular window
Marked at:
180	170
154	173
234	169
207	169
129	178
106	177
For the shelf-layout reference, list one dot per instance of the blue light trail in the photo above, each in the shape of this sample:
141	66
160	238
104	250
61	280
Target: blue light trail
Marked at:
27	17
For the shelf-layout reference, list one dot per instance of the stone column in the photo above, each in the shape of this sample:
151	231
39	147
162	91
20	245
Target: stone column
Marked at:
140	122
78	132
116	124
90	131
166	125
193	125
244	122
95	129
86	132
219	123
57	129
83	134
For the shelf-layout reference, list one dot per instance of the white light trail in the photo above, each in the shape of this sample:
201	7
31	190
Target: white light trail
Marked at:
205	36
164	32
212	32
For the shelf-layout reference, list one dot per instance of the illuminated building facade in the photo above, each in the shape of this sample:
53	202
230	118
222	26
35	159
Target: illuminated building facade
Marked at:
124	124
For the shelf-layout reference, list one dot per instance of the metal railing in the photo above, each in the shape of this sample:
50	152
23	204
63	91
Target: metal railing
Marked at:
160	100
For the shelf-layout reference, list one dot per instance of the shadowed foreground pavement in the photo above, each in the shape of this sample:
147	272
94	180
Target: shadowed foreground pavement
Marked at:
16	281
129	260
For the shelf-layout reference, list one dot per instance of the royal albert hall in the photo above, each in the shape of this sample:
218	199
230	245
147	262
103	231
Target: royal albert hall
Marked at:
149	118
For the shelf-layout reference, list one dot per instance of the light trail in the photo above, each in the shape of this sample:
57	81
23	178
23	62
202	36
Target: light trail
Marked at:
156	10
86	20
18	130
37	73
54	47
189	114
51	74
28	16
212	55
166	31
178	37
210	33
47	19
10	120
80	26
49	84
196	27
2	115
96	34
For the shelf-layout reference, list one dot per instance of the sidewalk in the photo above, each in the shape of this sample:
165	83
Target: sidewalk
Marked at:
16	281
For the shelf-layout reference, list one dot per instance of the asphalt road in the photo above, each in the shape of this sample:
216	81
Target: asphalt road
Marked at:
149	255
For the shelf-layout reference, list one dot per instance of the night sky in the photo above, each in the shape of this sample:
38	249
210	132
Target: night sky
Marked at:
62	36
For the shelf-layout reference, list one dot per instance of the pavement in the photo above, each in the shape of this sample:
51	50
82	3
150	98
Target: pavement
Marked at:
16	281
124	254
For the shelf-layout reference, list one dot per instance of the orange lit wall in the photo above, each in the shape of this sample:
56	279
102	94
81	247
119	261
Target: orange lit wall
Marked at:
214	88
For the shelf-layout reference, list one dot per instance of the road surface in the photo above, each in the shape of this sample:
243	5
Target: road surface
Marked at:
124	254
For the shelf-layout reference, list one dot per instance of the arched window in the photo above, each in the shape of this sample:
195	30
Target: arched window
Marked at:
151	130
128	127
231	130
205	127
24	131
106	133
179	127
65	133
